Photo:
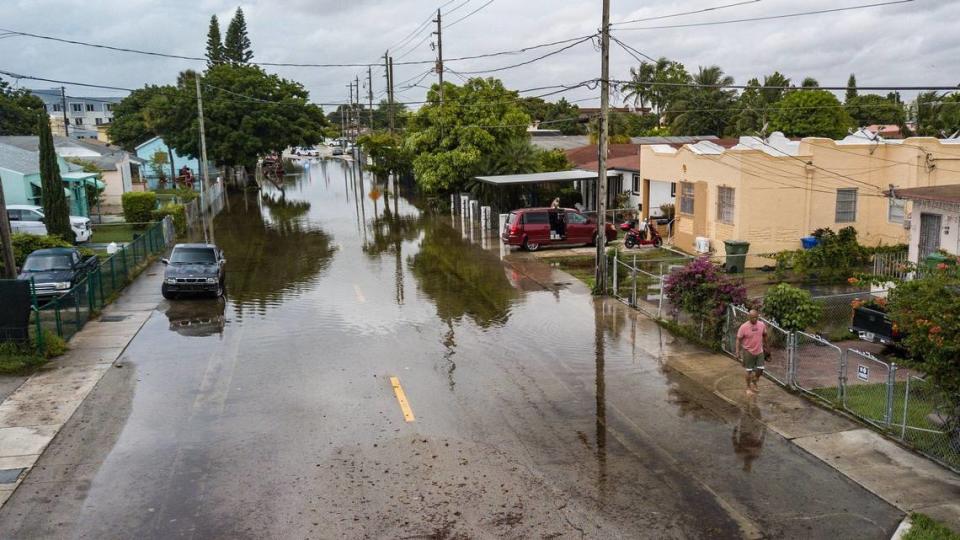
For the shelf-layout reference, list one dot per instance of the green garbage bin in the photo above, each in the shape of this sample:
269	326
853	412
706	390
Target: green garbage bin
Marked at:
736	258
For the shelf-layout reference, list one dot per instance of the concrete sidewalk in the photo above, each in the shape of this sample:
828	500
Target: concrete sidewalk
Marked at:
895	474
33	414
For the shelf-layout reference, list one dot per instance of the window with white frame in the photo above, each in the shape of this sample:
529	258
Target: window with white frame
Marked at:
725	198
98	121
78	121
76	107
895	210
686	198
108	107
56	107
90	107
846	205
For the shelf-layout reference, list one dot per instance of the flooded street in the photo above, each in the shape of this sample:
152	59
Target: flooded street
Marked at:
536	411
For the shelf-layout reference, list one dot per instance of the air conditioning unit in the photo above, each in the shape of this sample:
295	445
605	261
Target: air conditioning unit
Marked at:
701	244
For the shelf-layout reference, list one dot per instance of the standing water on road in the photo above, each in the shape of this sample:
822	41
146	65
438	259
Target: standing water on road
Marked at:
374	373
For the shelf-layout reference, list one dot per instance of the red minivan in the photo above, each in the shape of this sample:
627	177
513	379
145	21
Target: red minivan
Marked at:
533	228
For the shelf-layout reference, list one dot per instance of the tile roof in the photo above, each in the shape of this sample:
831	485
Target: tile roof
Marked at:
18	159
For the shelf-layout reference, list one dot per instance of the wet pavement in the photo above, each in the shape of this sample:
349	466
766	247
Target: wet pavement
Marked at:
538	411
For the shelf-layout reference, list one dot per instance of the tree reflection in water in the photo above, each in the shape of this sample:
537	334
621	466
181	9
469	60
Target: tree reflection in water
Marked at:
270	260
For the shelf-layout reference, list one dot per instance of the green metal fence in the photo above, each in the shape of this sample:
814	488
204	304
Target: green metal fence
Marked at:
66	313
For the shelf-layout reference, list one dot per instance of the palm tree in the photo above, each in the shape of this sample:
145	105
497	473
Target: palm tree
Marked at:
639	89
704	108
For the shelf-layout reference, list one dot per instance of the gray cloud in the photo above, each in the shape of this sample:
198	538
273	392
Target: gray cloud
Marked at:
908	44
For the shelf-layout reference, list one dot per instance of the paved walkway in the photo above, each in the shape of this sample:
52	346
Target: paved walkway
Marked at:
33	414
893	473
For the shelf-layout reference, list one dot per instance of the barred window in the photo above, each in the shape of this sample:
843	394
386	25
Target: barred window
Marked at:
846	205
895	211
686	198
725	197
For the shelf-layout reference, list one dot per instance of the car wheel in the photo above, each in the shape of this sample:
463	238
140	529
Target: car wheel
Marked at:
220	289
167	294
530	246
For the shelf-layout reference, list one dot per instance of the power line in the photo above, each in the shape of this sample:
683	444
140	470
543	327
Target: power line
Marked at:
695	12
762	87
537	59
765	18
468	14
634	52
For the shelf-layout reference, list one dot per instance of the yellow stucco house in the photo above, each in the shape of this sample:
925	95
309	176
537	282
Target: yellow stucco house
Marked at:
772	192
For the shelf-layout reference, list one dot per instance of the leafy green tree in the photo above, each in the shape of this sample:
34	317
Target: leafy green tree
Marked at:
704	109
653	83
937	115
561	115
874	109
756	102
387	152
516	155
236	45
810	113
851	89
810	82
272	114
215	50
18	111
450	140
640	88
791	307
55	210
135	117
553	160
381	115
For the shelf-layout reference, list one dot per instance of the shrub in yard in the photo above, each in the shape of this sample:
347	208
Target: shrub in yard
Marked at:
21	357
179	214
702	289
927	313
25	244
138	206
837	256
790	307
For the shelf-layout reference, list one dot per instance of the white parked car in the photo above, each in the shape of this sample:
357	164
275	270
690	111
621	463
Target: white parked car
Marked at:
26	218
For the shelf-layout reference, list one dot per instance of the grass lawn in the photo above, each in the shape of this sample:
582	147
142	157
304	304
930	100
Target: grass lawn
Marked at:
120	232
926	528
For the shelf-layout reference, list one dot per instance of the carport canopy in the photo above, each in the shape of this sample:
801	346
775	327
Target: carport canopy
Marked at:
540	178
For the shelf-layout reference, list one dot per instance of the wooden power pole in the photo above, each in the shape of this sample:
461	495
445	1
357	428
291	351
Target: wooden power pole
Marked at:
370	96
439	68
63	105
9	265
393	111
601	260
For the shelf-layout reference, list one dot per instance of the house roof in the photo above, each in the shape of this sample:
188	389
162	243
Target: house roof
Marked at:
19	160
585	156
146	142
104	156
949	193
563	142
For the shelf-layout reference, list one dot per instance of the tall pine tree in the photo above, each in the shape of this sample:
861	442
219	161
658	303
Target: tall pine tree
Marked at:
55	210
236	46
851	89
214	44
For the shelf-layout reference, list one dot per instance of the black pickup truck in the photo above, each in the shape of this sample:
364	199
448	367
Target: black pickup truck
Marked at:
56	270
874	325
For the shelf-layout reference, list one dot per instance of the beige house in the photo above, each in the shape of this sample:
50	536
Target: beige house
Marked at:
772	192
934	220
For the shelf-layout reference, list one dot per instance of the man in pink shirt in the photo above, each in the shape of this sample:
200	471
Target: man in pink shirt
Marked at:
751	338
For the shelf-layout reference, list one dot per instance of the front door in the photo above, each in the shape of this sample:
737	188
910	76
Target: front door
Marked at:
929	234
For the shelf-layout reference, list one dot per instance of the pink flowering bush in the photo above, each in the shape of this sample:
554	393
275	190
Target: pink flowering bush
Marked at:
702	289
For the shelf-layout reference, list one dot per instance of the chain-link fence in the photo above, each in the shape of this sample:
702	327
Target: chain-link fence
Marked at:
634	285
817	366
928	424
778	363
867	388
65	313
837	312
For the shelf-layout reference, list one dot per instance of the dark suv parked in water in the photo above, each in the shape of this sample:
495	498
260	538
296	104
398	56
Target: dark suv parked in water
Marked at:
194	268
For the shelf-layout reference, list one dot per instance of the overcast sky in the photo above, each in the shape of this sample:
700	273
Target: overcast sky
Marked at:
906	44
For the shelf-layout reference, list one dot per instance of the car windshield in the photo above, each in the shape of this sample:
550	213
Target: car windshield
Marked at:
46	263
193	256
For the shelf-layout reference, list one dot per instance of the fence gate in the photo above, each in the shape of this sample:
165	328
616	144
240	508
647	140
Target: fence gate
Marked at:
868	387
817	366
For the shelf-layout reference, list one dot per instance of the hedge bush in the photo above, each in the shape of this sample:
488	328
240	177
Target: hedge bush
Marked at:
25	244
792	308
138	206
179	214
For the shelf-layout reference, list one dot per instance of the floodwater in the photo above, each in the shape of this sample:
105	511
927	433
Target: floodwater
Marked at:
536	411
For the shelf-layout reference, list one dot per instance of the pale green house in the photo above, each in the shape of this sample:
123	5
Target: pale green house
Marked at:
20	174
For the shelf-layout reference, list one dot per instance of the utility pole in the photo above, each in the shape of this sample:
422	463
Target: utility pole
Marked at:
9	265
350	111
439	68
205	177
370	95
601	260
63	105
389	61
359	109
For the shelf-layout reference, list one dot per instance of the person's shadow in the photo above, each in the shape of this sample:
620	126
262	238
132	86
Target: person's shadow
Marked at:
748	434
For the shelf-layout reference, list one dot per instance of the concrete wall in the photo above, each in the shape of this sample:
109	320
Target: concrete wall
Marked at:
949	225
15	187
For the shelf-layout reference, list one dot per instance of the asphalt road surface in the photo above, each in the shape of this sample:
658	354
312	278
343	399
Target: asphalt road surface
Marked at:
375	374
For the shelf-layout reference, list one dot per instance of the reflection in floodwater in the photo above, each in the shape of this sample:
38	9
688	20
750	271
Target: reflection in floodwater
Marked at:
460	284
197	318
749	433
269	259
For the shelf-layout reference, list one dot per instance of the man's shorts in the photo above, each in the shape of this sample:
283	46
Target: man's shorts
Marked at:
752	361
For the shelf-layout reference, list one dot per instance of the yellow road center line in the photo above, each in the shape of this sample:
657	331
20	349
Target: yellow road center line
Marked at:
402	399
